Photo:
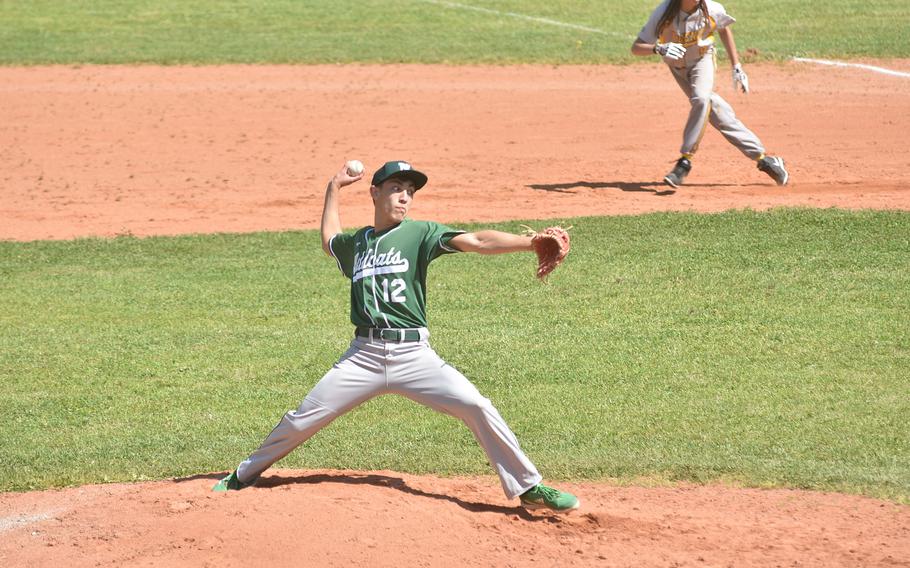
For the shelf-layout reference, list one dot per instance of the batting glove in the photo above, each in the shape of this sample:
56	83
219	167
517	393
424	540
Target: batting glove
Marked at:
740	79
670	51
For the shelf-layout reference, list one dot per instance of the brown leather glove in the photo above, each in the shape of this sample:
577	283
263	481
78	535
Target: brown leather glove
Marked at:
551	246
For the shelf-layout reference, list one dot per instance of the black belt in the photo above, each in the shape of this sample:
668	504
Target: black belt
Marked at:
388	334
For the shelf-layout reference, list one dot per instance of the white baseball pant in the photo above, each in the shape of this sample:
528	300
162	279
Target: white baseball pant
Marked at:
697	81
371	368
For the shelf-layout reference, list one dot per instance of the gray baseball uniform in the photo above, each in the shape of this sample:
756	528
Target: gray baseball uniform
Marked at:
391	354
695	75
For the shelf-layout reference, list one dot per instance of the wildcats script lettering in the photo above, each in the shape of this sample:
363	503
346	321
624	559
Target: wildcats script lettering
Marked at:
371	264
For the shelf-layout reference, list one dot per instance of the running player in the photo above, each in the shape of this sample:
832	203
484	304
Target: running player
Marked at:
682	32
390	353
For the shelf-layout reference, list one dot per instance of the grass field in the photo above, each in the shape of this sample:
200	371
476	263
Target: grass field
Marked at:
420	31
768	349
759	348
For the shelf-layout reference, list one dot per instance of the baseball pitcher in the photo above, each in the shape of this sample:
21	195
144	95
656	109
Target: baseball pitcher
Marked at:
390	352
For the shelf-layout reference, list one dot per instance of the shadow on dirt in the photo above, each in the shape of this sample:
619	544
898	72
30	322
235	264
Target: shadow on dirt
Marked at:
399	485
655	187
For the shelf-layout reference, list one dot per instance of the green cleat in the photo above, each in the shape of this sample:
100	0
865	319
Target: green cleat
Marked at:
542	497
231	483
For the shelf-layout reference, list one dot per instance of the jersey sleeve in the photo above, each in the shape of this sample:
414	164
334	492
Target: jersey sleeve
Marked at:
436	240
649	33
342	248
720	15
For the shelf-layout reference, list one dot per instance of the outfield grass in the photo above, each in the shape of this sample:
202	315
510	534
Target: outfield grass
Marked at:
417	31
768	349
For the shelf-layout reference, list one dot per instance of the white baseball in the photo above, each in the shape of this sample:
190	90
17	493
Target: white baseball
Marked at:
355	167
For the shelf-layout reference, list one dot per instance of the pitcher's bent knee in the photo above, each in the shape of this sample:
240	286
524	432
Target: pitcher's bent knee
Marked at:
308	414
475	406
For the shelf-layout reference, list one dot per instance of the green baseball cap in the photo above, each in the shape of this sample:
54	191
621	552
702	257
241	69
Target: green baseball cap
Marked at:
401	169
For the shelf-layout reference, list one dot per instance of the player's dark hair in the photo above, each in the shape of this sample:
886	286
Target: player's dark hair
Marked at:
672	11
669	14
703	4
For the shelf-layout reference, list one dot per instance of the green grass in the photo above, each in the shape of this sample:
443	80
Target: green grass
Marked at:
418	31
764	349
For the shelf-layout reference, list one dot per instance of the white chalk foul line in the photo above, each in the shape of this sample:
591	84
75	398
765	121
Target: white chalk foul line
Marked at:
9	523
528	18
881	70
548	21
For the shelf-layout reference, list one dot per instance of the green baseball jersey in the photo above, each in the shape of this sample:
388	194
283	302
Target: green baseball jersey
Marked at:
388	271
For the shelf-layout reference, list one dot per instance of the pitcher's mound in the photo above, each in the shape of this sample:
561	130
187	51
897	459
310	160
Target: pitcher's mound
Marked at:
346	518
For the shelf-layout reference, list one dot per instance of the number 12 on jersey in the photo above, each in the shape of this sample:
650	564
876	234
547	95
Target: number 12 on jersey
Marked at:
396	288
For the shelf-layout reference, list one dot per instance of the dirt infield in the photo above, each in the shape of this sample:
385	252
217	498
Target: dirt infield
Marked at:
104	151
118	150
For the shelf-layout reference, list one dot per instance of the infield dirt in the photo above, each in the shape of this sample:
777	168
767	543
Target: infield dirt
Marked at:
149	150
106	151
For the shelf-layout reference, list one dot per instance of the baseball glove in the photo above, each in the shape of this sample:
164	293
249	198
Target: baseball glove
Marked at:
551	247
